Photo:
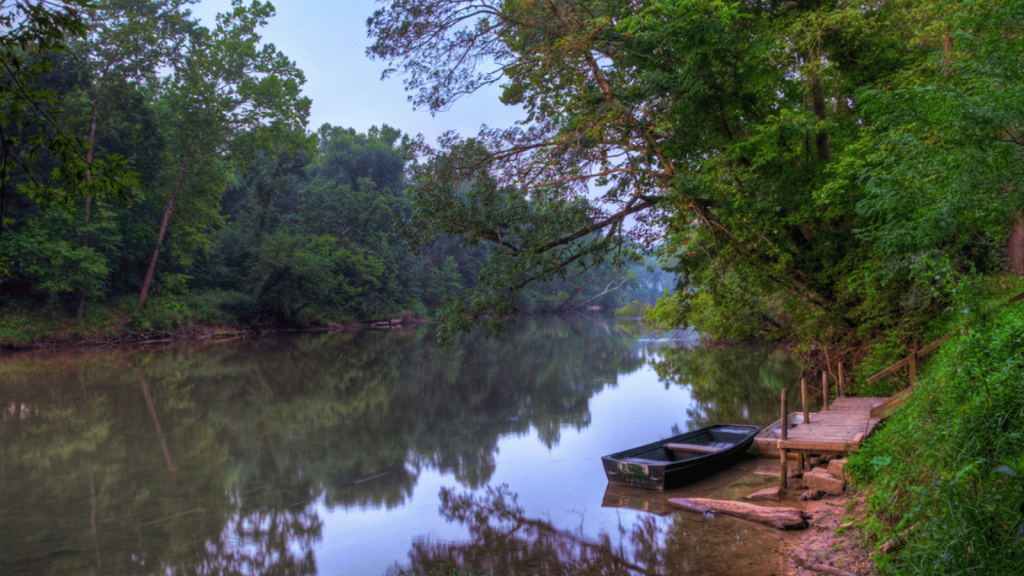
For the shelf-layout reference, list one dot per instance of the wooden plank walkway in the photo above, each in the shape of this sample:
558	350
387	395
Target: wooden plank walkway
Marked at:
837	430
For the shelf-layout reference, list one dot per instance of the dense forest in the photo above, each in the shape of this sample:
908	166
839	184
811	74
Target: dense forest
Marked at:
831	173
157	172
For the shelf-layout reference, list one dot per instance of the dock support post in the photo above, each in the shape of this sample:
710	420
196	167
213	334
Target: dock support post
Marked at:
803	395
842	382
783	436
824	390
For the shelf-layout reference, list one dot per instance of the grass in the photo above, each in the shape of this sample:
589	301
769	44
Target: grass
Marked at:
946	473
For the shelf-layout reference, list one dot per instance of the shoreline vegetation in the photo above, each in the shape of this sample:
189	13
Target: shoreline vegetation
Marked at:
166	320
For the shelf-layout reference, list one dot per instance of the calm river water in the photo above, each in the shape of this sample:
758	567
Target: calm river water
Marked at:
370	453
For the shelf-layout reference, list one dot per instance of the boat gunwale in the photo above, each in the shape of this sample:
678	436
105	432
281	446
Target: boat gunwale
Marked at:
673	465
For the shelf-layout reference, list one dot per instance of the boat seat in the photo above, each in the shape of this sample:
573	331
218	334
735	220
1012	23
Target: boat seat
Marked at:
701	449
645	461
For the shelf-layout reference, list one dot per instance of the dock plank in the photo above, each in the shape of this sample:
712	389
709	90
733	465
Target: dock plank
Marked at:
836	430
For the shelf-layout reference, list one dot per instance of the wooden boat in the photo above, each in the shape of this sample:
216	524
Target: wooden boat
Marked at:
767	440
680	459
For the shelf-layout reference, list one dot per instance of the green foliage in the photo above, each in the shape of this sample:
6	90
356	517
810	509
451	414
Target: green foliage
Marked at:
37	35
182	313
228	97
55	264
944	464
635	309
174	284
292	273
821	171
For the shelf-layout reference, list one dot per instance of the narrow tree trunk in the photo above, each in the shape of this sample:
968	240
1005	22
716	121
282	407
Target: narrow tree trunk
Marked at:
88	162
160	237
88	198
817	94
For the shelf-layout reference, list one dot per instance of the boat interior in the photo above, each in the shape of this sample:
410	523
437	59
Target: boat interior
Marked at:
689	447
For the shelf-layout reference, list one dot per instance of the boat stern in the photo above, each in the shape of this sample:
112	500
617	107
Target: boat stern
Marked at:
651	476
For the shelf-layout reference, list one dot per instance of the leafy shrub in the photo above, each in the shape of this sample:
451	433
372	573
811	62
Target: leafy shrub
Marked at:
242	307
635	309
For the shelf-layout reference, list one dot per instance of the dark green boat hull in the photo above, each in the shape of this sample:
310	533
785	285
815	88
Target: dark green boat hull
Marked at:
654	466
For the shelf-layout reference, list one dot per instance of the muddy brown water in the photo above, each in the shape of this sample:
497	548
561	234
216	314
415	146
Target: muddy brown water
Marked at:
374	452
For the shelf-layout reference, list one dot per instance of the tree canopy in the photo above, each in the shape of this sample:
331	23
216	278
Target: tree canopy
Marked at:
794	156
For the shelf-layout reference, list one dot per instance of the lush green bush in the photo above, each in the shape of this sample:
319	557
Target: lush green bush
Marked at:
635	309
947	472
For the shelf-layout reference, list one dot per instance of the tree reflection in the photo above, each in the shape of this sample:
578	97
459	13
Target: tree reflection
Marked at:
90	488
503	540
212	460
739	385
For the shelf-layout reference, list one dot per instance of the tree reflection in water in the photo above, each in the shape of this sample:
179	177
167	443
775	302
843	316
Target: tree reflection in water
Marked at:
202	459
504	540
199	459
739	384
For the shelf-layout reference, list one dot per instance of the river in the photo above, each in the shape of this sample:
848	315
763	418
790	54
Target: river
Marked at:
372	453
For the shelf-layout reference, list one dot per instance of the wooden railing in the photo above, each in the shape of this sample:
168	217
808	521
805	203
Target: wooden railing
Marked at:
911	360
897	399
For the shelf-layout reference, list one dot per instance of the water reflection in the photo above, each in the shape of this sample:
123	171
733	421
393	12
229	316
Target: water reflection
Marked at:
506	540
736	384
233	457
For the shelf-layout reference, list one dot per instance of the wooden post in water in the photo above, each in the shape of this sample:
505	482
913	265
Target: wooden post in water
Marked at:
783	436
803	393
824	390
842	382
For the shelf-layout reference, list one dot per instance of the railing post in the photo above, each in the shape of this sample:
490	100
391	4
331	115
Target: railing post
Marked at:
803	395
783	436
824	390
842	382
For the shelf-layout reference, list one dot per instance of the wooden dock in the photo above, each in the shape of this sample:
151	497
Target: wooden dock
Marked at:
834	430
837	430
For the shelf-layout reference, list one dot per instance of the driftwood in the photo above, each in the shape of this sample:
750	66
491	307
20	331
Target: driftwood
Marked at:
823	568
777	517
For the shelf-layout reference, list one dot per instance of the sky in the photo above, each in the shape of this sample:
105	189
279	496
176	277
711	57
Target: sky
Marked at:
327	40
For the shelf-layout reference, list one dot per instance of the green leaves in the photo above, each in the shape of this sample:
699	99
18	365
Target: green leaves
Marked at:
54	261
294	272
36	35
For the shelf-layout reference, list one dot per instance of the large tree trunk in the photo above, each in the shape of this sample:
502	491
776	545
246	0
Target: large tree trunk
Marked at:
817	94
1015	248
148	280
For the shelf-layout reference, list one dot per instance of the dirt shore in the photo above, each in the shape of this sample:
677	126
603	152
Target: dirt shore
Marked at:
832	538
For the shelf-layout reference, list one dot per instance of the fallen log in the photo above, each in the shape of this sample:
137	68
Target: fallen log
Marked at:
777	517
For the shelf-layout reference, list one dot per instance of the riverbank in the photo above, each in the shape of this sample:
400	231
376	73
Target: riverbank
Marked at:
834	536
833	539
190	318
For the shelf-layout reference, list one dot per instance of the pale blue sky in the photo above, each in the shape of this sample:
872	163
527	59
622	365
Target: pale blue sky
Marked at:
327	39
